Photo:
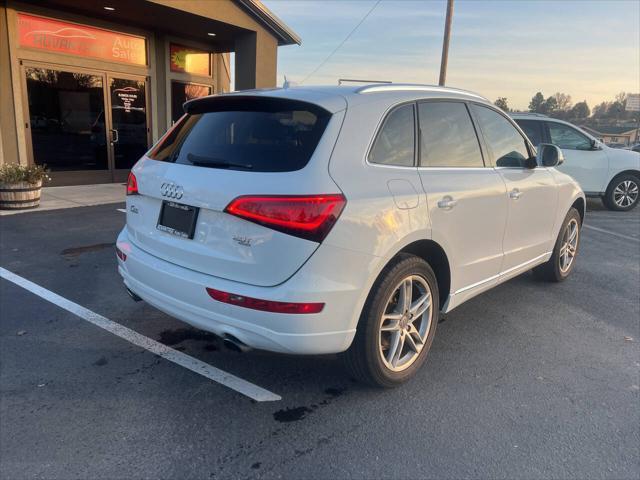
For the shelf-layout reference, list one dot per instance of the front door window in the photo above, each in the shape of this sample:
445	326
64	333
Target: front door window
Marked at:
566	137
66	119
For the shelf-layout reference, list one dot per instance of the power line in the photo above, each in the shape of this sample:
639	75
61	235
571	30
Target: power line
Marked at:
343	41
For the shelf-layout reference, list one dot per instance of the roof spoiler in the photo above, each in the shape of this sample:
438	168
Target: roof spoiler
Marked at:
249	103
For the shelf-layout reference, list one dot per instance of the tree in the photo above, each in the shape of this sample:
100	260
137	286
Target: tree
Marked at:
563	101
615	109
501	103
537	102
580	110
601	109
550	106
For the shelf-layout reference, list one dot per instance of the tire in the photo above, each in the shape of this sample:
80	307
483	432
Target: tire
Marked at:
556	269
370	358
623	193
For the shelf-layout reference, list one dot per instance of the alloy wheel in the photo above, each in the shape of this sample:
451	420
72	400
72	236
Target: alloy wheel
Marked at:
569	246
625	194
405	323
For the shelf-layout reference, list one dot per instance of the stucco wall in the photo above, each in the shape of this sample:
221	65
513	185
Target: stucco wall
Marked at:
8	136
256	54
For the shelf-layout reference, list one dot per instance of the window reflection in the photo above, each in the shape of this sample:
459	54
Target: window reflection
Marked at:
64	114
182	92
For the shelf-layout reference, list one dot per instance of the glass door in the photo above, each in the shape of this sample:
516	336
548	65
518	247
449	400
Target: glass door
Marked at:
67	120
128	127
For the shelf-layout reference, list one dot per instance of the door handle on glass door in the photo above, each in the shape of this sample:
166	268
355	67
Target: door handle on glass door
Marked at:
447	203
514	194
114	135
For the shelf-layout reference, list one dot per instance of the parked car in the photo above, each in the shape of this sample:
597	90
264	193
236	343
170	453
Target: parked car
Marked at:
342	219
609	173
634	148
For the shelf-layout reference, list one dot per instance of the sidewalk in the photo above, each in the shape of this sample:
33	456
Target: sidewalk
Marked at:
54	198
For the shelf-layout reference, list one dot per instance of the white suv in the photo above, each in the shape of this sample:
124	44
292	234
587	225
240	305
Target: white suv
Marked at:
342	219
612	174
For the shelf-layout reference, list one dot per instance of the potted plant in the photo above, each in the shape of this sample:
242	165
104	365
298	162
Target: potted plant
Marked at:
20	185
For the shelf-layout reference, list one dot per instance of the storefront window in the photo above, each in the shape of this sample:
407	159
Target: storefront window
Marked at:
181	92
189	60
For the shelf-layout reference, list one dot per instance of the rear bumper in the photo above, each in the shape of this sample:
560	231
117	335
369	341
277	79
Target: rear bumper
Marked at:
181	293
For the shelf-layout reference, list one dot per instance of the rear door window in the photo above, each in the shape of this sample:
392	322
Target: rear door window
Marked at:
246	133
447	136
532	129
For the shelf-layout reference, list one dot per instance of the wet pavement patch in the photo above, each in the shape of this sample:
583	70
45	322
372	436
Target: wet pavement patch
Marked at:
101	362
291	414
76	251
334	391
298	413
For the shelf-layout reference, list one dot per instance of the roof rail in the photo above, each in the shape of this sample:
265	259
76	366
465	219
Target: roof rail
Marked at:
399	87
354	80
531	114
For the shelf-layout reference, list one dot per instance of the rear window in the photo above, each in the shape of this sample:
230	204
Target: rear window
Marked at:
245	133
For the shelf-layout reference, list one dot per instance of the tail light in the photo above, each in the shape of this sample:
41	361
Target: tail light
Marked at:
264	305
121	255
132	184
305	216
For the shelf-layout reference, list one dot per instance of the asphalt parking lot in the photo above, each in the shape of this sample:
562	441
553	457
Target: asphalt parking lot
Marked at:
529	380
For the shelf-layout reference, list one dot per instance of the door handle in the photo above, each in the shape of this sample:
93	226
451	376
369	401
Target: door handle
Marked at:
114	135
447	203
515	194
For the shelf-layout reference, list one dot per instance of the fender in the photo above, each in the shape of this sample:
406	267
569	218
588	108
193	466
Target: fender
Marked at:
384	260
569	192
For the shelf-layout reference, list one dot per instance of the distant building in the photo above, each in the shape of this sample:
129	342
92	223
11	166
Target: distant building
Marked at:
621	135
87	86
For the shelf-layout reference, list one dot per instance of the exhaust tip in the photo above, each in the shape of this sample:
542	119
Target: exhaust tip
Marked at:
235	345
135	297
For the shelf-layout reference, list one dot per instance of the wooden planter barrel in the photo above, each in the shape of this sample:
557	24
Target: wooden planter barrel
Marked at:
19	196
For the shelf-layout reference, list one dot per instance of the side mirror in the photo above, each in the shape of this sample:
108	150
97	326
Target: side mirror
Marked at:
531	163
549	155
595	145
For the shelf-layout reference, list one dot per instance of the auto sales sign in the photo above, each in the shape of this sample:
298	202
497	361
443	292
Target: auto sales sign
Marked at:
70	38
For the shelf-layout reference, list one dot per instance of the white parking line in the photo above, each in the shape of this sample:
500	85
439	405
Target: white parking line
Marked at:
620	235
231	381
121	210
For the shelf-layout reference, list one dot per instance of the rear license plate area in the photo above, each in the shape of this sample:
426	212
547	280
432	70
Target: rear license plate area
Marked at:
178	219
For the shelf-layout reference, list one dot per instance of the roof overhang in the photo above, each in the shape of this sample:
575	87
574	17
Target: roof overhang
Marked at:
282	32
156	16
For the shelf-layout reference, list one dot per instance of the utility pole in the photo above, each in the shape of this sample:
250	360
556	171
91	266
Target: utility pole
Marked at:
445	43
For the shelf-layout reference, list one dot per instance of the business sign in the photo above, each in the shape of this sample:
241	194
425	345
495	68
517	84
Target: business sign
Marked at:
56	36
189	60
127	96
633	102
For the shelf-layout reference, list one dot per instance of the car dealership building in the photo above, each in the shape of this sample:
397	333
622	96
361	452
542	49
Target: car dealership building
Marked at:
87	86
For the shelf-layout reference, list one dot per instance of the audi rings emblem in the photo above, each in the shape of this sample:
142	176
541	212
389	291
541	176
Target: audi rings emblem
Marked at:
171	190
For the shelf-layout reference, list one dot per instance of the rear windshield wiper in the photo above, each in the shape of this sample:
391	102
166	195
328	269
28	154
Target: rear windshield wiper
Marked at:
203	161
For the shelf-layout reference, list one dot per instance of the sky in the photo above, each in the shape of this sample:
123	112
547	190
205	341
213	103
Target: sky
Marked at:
509	48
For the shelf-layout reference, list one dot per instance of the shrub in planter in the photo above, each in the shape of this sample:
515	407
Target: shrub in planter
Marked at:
20	186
